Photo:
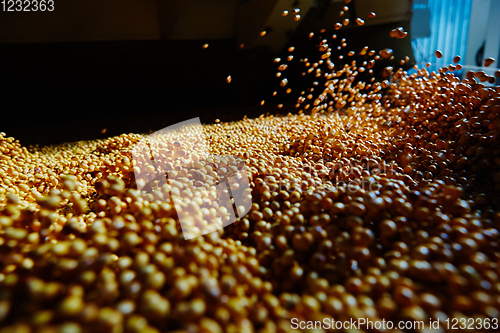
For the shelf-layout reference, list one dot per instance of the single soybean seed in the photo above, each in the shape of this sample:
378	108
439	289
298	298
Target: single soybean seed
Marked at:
488	62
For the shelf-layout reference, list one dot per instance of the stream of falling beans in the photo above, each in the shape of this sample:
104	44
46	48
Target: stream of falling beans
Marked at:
381	203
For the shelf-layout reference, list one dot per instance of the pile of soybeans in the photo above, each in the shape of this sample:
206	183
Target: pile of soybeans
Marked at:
377	205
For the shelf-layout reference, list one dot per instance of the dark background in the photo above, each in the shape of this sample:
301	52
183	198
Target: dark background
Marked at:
54	92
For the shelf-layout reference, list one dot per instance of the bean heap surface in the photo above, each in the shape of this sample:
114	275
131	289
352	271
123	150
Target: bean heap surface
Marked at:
382	203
